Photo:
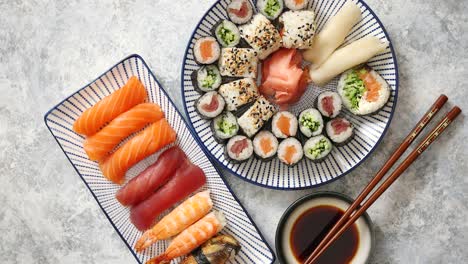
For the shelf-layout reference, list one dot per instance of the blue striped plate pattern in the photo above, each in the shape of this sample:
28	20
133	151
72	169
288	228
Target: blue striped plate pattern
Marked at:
369	129
60	120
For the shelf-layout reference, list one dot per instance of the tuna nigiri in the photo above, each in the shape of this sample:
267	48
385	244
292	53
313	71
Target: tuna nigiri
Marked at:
176	221
153	177
187	179
100	144
94	118
192	237
148	141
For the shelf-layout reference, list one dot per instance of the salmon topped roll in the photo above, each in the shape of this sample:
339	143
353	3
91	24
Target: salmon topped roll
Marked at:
94	118
145	143
100	144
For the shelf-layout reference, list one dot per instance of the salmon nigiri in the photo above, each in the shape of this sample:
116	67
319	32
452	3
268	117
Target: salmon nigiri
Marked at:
92	120
176	221
192	237
145	143
100	144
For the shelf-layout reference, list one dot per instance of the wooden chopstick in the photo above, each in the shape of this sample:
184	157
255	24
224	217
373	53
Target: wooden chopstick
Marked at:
401	168
434	109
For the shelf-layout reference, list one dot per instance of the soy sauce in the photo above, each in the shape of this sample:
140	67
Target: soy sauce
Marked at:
312	226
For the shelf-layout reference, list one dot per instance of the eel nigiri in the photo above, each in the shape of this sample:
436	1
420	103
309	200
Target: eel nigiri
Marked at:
187	179
217	250
148	141
176	221
100	144
192	237
153	177
95	117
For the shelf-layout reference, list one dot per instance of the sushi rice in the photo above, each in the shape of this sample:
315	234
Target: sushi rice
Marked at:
317	148
296	5
298	29
310	122
261	35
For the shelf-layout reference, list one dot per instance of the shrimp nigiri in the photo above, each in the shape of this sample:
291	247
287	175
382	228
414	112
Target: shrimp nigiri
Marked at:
192	237
176	221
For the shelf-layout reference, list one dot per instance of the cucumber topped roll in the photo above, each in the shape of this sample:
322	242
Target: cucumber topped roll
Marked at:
207	78
317	148
310	122
270	8
363	90
224	126
227	34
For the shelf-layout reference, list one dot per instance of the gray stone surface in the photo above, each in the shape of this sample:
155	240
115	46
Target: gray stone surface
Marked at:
49	49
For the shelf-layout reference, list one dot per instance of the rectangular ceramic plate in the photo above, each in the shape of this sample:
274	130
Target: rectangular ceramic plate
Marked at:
60	120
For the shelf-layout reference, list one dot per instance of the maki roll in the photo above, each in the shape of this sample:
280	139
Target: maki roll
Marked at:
206	79
317	148
298	29
206	50
284	124
296	4
329	104
227	33
238	93
239	148
210	105
340	130
290	151
224	126
265	145
240	11
310	122
270	8
256	116
261	35
238	62
363	90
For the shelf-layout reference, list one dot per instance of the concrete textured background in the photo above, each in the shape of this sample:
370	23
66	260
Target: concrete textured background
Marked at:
49	49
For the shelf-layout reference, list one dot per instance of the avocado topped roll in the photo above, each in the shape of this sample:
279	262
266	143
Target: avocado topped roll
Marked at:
317	148
363	90
206	79
270	8
227	33
224	126
310	122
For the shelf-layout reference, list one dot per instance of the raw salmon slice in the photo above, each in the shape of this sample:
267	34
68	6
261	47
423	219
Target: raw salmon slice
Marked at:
100	144
145	143
372	86
95	117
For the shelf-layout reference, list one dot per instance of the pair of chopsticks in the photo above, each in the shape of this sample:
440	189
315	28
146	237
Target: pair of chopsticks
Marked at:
351	214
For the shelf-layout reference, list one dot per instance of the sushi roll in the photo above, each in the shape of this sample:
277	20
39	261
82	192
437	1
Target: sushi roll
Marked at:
340	130
261	35
310	122
227	33
284	124
363	90
224	126
206	50
238	62
256	116
329	104
210	105
239	148
206	79
238	93
265	145
290	151
317	148
298	29
296	4
240	11
270	8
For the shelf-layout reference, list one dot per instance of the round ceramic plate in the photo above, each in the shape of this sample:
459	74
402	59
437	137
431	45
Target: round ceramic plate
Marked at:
369	130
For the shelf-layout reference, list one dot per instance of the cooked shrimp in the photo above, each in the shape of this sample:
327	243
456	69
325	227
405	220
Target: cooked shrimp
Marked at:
176	221
192	237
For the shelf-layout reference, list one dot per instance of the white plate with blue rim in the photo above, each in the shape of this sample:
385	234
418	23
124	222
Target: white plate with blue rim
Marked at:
369	130
60	121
